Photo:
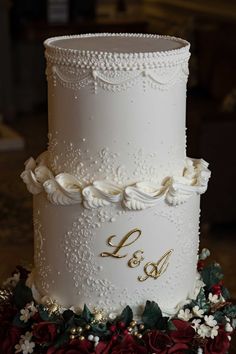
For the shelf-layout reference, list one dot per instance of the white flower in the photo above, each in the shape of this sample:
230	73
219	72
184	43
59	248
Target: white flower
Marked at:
196	323
28	312
204	331
112	316
214	332
228	327
27	347
197	311
185	315
204	254
213	298
26	336
18	348
31	308
25	315
210	321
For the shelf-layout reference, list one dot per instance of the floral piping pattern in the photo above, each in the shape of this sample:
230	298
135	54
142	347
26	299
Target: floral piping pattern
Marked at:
65	189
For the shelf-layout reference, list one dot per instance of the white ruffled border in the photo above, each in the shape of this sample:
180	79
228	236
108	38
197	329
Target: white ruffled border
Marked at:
66	189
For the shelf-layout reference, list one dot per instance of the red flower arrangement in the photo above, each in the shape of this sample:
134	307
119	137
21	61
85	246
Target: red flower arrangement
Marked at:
22	321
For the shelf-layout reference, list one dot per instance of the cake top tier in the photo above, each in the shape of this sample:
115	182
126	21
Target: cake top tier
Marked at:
117	51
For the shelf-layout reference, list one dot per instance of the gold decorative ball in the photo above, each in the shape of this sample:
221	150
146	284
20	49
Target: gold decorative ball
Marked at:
139	335
133	323
136	333
73	330
72	336
87	327
81	338
141	327
130	329
79	329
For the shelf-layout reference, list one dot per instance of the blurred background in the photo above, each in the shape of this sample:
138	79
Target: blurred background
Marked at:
209	25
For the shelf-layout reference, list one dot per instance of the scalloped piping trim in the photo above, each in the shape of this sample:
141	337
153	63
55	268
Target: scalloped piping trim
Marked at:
66	189
155	80
106	60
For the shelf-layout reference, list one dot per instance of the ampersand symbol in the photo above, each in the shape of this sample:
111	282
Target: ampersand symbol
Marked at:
136	259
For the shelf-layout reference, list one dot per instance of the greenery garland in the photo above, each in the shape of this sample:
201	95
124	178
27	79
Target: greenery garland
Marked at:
203	325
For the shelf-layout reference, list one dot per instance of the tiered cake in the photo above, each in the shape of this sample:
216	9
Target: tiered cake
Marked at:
116	200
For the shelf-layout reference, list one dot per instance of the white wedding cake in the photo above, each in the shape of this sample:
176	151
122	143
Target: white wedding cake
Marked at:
116	200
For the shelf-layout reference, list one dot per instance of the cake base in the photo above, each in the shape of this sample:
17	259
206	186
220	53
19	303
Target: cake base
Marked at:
203	324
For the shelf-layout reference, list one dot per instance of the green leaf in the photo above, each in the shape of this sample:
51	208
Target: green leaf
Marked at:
61	340
225	293
126	315
43	313
171	326
230	311
211	275
22	295
151	315
86	314
201	301
100	329
162	323
219	317
69	319
67	315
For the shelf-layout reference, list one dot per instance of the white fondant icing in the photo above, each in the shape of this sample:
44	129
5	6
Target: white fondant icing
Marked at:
75	244
116	158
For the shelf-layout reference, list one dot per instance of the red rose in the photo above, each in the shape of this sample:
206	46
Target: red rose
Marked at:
9	337
178	348
219	345
157	342
44	332
184	332
103	347
76	346
129	346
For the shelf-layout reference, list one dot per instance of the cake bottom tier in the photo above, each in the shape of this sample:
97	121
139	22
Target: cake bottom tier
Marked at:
109	257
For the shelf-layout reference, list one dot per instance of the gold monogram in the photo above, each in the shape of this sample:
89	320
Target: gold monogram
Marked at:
121	244
136	260
155	270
